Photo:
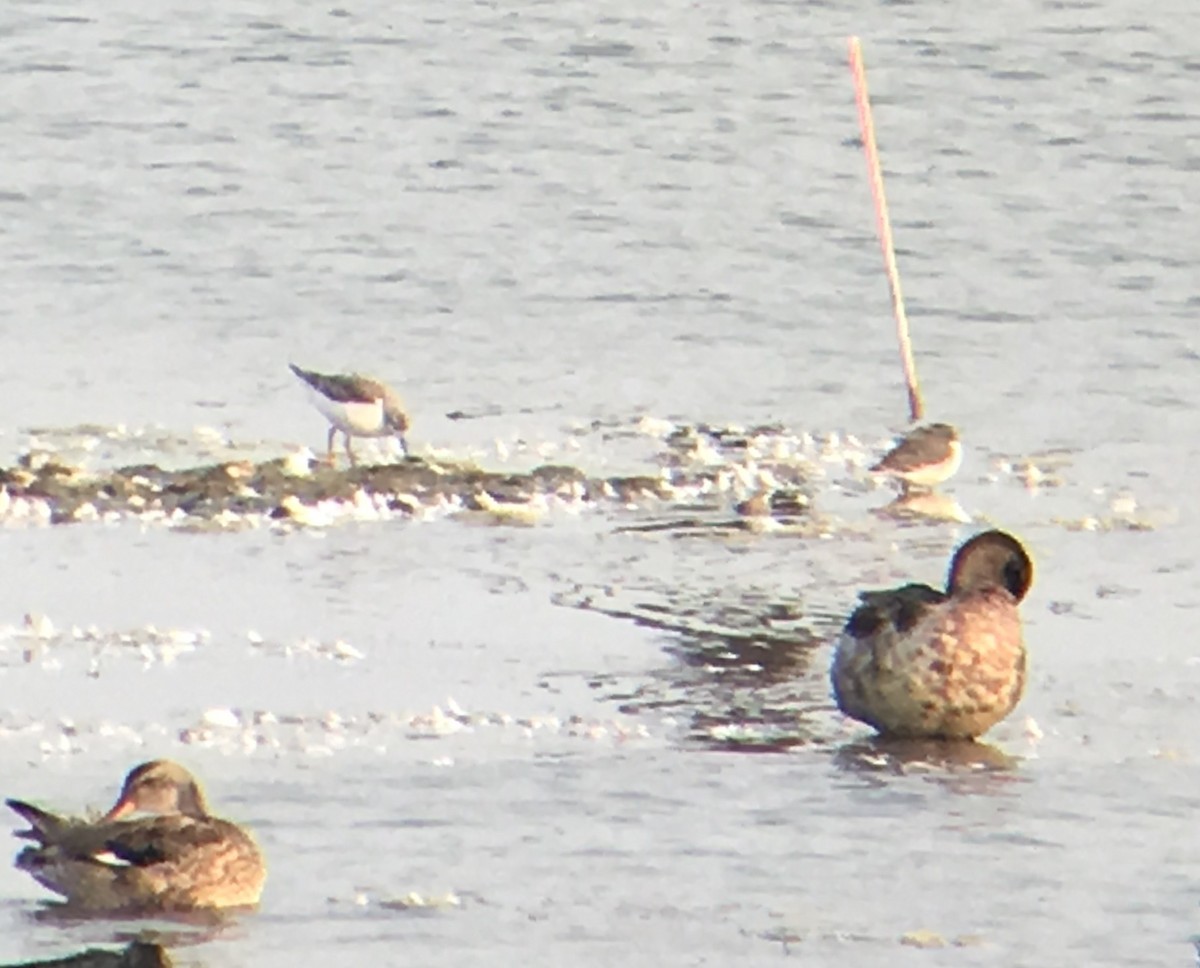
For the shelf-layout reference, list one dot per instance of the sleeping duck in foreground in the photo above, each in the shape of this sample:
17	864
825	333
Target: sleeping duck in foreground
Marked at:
921	663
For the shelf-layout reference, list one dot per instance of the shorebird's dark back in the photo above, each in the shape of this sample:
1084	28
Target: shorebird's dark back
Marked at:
356	406
351	388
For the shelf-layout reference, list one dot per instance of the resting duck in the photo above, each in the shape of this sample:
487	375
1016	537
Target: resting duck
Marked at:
157	850
917	662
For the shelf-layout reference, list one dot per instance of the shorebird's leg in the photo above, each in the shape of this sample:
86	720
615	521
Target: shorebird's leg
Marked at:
329	448
349	452
403	445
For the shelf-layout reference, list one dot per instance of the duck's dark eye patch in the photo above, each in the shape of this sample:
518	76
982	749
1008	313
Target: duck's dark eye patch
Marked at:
1016	577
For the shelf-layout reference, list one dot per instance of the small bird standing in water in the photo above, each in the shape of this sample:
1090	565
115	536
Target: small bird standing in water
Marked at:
924	457
920	663
358	406
157	849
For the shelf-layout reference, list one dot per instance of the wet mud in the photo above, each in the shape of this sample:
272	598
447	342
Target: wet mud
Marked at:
44	487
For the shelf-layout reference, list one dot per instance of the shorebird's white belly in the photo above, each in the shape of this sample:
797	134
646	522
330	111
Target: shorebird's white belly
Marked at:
358	419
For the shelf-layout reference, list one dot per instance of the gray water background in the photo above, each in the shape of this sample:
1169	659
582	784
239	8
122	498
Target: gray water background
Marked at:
553	214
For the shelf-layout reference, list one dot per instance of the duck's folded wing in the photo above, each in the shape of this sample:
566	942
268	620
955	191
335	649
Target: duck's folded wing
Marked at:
158	840
900	608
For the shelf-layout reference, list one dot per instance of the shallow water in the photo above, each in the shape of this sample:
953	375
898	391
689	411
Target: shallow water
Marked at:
556	223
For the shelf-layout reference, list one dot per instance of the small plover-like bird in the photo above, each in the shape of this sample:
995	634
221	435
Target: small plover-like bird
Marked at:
924	457
358	406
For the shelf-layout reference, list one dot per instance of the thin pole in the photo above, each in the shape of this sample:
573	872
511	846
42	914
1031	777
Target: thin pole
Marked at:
916	406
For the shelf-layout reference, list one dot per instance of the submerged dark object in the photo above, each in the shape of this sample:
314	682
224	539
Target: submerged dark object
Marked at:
137	954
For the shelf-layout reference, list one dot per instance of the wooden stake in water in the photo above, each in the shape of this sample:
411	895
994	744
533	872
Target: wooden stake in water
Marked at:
916	407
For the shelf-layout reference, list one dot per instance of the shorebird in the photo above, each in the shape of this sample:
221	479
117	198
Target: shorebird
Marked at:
917	662
924	457
356	405
158	849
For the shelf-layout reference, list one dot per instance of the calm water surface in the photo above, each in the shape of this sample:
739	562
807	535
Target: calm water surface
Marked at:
545	215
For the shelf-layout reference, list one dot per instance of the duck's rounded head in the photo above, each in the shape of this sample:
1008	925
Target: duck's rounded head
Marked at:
992	559
161	787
